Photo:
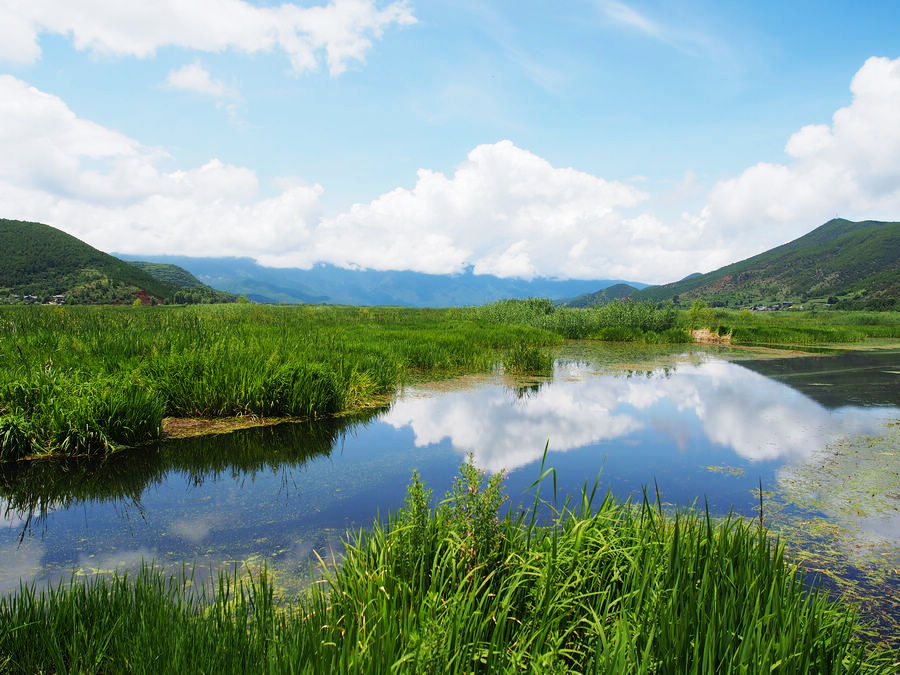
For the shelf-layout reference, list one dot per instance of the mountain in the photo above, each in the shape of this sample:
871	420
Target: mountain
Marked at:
191	288
41	261
614	292
854	265
327	283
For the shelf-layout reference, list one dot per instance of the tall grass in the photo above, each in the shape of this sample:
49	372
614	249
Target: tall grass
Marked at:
609	587
85	380
620	321
799	328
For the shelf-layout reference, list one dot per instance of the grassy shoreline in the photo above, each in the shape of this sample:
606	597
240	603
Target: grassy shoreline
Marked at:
89	380
606	587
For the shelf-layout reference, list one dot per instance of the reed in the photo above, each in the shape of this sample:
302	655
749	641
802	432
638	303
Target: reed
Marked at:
800	328
87	380
601	587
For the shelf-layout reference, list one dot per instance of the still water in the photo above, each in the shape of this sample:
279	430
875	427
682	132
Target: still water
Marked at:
818	434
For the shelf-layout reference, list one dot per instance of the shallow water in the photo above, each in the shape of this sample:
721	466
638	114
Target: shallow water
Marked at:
704	426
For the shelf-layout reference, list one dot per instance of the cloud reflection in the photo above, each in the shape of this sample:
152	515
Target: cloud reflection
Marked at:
756	417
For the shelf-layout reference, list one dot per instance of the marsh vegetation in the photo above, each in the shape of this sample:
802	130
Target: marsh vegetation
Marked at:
603	587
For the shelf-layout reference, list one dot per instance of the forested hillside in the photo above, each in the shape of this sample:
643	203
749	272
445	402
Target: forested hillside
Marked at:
38	262
853	265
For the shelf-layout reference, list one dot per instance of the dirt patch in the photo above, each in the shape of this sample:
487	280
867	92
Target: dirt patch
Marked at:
180	427
705	336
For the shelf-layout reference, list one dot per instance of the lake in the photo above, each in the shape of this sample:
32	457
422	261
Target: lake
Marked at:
703	426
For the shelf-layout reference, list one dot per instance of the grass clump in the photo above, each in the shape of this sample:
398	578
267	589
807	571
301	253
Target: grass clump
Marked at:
620	321
797	327
527	359
90	379
609	587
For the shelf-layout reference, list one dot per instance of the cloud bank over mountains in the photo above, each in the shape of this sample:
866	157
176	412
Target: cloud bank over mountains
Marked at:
504	209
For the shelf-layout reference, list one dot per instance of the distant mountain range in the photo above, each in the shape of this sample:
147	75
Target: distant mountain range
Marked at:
38	262
336	285
614	292
845	263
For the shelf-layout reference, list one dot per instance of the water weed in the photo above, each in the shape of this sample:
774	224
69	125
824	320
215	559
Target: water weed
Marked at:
609	587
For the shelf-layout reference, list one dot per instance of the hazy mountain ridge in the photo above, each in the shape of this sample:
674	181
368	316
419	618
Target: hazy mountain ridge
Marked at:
192	289
857	263
614	292
327	283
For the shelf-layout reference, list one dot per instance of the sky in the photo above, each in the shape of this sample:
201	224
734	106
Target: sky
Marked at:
590	139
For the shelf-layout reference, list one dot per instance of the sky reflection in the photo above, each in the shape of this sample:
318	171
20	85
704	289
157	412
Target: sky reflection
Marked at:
757	418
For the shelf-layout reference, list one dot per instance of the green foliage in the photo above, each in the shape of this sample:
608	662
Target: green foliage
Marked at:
171	274
860	261
601	297
527	359
799	328
40	260
15	437
470	511
88	380
611	588
614	321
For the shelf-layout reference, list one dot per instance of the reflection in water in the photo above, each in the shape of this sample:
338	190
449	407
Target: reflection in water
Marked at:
756	417
29	491
278	494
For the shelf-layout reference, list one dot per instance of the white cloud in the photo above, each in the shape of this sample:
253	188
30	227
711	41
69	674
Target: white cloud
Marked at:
504	210
195	78
849	168
507	212
341	31
106	188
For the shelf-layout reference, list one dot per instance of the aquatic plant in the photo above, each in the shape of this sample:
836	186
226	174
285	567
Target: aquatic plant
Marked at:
609	587
88	380
526	359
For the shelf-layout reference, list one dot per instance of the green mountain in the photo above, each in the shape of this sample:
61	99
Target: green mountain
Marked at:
614	292
41	261
192	289
853	265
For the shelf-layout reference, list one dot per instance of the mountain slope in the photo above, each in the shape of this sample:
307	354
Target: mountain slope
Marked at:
192	289
857	260
40	260
614	292
327	283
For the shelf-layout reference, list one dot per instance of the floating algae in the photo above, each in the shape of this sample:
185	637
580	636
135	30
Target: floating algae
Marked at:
839	514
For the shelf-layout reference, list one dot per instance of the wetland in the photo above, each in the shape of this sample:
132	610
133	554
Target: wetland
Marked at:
811	437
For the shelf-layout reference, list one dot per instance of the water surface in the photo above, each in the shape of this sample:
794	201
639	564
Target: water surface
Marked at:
704	425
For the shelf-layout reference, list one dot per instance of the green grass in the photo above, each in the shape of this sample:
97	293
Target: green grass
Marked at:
616	321
801	328
606	587
86	380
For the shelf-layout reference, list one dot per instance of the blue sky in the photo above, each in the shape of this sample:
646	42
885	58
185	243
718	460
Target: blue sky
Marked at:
597	139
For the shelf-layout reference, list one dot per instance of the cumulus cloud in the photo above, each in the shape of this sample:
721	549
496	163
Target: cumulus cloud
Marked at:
508	212
106	188
197	79
850	167
340	32
503	210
